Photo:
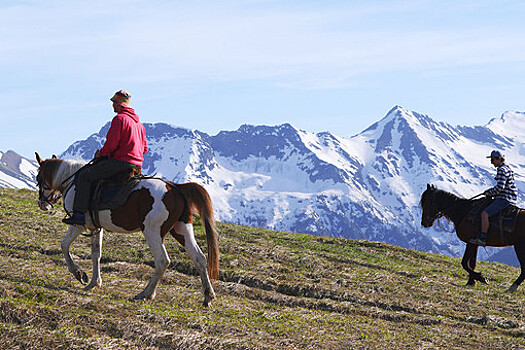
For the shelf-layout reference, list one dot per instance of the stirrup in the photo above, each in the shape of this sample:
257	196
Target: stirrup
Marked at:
478	241
75	219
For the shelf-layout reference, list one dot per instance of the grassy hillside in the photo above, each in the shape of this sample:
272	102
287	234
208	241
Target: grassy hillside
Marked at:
277	290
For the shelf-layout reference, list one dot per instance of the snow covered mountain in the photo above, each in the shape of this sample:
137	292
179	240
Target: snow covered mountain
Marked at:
367	186
17	171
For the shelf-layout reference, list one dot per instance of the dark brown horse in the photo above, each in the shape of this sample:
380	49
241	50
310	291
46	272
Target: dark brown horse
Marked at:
437	203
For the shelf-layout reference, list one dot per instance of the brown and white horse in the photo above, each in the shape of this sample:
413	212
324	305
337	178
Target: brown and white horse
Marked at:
155	207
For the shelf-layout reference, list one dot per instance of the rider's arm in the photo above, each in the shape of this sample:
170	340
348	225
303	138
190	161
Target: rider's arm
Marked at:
112	138
145	140
501	180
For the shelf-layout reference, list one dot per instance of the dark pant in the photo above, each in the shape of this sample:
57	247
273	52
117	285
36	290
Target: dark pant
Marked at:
92	173
495	207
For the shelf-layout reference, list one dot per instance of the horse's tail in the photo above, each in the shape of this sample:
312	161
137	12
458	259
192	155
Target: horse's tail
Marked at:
198	199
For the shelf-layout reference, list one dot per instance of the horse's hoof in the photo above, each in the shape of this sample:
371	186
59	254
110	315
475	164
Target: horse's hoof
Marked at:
139	297
82	277
478	277
512	289
208	299
142	296
91	286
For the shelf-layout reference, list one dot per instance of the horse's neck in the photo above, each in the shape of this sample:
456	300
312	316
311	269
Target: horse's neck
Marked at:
65	172
453	207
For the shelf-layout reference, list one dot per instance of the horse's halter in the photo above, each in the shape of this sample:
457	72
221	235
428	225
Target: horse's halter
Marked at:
51	198
438	214
54	193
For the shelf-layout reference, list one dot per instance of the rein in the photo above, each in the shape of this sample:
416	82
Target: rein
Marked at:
444	229
56	194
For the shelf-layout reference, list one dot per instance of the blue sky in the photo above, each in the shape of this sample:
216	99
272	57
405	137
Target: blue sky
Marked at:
335	66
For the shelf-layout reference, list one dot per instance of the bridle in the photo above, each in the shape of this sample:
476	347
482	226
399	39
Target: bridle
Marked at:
51	198
441	213
54	196
59	192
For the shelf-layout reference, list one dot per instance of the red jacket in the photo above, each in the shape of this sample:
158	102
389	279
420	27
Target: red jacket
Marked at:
126	138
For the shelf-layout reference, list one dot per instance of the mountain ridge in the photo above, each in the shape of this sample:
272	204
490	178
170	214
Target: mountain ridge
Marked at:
17	171
366	186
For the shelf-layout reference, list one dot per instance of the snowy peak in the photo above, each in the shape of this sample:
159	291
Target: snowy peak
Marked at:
17	171
401	135
11	161
314	155
257	141
405	116
510	124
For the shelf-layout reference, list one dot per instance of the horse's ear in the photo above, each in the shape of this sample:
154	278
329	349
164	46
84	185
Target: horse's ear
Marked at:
428	187
38	159
54	156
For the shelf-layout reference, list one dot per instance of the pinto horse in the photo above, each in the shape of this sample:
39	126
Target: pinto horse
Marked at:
155	207
437	203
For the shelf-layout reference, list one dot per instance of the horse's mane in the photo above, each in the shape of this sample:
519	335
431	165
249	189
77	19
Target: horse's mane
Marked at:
449	195
451	205
452	197
55	171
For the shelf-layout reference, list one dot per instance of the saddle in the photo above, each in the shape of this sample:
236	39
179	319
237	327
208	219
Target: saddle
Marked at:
113	192
504	221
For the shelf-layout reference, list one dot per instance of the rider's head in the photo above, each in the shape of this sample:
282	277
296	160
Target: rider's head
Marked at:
496	158
120	99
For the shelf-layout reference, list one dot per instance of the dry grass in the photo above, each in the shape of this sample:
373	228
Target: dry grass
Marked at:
276	290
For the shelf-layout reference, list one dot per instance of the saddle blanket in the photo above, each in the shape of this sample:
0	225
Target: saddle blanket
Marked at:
106	196
504	220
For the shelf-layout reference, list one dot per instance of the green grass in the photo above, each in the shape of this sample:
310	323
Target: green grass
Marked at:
276	290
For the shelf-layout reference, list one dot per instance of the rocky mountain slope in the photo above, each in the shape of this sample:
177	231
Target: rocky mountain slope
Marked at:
367	186
17	171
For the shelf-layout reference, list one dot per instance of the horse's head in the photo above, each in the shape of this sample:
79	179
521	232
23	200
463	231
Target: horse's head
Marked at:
47	195
430	211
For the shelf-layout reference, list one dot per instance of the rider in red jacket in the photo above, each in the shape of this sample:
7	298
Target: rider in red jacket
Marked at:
123	150
126	137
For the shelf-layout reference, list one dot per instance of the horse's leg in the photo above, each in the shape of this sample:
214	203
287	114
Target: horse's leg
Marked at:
198	258
477	275
72	233
162	262
519	247
469	264
466	261
178	237
96	248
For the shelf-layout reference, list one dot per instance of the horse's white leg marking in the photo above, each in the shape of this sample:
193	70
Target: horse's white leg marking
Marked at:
161	258
72	233
96	248
198	258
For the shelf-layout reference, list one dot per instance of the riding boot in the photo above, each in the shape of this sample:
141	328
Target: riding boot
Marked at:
76	219
481	239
